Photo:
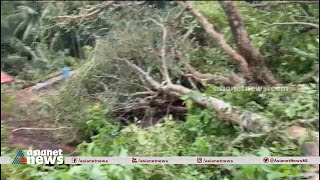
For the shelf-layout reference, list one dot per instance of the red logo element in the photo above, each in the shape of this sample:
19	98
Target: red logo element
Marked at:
134	160
22	160
74	160
265	160
199	160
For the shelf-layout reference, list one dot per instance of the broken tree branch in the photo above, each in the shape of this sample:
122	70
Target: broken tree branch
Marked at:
164	67
219	39
247	49
247	120
193	85
89	15
150	82
92	12
50	82
40	129
194	75
283	3
225	80
298	23
179	15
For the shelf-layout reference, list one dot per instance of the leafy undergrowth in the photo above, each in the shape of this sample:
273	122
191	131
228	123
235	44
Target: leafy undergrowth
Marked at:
202	134
7	101
85	102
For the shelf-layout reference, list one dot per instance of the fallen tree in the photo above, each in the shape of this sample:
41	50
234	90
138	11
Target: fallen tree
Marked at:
112	78
247	120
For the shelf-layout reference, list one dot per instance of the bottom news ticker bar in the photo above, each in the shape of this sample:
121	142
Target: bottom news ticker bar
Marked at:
184	160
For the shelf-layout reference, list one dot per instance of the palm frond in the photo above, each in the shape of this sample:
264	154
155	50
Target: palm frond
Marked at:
27	31
20	27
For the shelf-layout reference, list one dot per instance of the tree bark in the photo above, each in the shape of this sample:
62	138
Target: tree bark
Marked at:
256	62
219	39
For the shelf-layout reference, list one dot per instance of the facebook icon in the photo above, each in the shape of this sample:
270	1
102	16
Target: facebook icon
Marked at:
65	72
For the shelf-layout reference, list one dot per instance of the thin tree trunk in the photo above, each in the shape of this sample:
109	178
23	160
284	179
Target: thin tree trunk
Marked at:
219	39
252	55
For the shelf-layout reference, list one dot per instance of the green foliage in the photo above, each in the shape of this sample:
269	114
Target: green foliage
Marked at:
7	101
200	135
3	140
210	60
104	77
297	102
289	51
34	47
268	172
25	47
303	104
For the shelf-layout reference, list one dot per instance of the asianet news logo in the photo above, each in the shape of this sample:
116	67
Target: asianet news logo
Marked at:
39	157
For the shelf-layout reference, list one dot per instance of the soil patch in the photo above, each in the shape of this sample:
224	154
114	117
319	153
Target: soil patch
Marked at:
25	115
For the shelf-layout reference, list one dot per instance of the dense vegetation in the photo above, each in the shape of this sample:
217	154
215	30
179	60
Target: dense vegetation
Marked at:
147	82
